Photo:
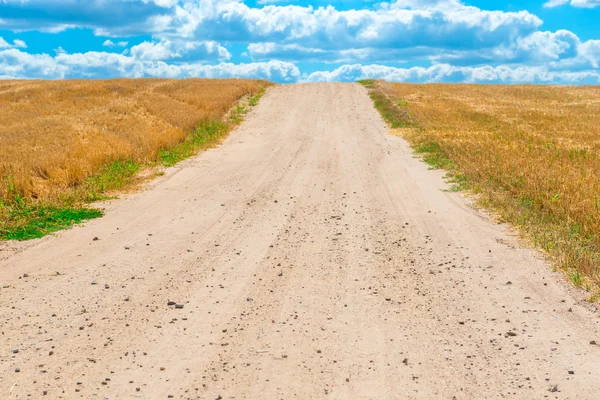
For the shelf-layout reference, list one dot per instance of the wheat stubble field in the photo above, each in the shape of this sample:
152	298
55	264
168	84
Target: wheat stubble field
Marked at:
68	142
531	153
310	255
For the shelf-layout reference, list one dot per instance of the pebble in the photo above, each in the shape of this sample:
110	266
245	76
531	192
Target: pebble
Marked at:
17	369
171	303
511	333
178	305
15	351
593	342
95	238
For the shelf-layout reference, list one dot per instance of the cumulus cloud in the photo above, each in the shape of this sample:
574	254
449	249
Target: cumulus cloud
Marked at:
401	24
180	50
538	47
574	3
450	73
113	17
16	44
18	64
110	43
188	34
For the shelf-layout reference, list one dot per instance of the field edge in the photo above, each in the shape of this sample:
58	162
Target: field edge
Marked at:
565	249
28	219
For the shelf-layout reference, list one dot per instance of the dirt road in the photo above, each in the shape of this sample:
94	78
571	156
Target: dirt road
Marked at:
314	257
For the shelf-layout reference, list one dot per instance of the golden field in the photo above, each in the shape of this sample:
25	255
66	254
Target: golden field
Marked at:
56	134
532	153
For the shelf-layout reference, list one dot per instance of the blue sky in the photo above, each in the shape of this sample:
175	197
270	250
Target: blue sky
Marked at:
530	41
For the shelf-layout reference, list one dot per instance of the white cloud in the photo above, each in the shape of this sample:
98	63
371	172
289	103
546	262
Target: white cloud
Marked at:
180	50
448	24
187	35
17	64
449	73
110	43
574	3
17	44
114	16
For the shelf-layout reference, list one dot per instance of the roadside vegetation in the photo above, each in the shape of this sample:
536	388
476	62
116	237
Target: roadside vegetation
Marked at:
64	144
530	153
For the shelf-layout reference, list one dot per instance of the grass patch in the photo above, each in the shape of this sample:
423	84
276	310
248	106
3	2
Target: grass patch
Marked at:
206	134
26	221
114	176
256	98
434	155
368	83
395	116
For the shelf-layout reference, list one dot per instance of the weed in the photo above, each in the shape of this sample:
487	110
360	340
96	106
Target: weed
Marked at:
368	83
576	279
33	221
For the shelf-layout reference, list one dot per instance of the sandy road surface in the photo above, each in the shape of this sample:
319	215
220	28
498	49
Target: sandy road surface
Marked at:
315	258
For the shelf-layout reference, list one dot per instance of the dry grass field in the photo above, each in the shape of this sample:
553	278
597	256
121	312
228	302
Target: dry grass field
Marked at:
531	153
57	136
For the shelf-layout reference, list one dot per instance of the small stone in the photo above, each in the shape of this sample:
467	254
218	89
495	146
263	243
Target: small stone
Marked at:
511	333
179	306
137	389
593	342
106	286
171	303
250	299
15	351
94	283
17	369
571	372
25	275
95	238
405	361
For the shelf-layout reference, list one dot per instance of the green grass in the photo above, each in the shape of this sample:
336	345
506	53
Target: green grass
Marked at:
206	134
368	83
112	177
255	99
397	117
396	114
26	221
